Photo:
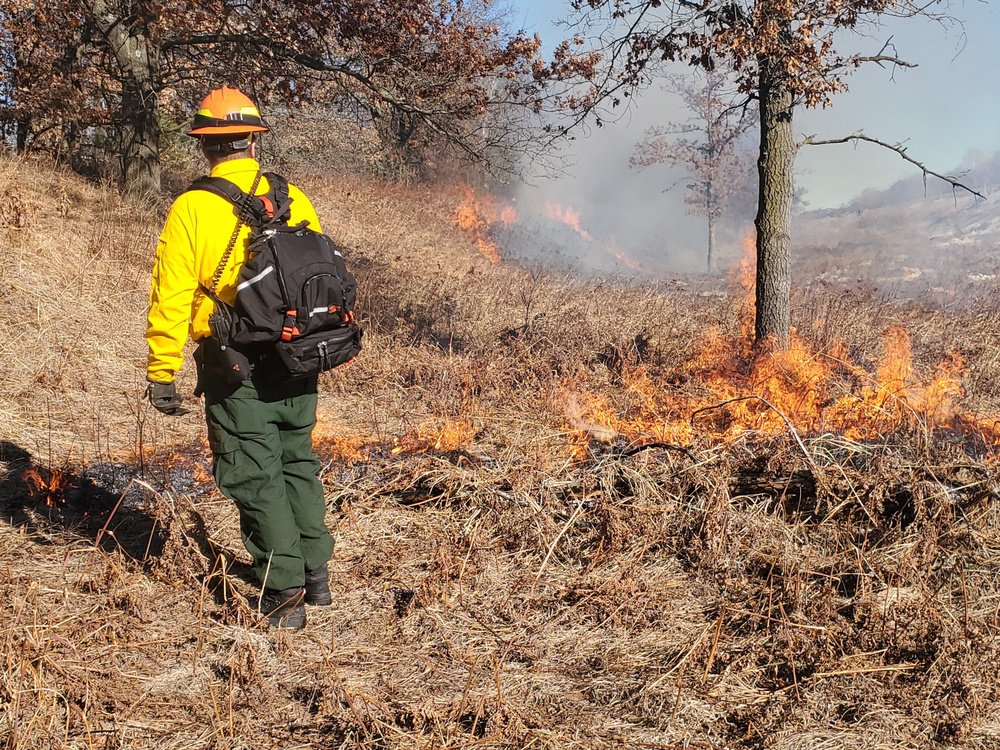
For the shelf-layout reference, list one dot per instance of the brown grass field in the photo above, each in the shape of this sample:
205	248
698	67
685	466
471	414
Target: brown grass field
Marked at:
569	514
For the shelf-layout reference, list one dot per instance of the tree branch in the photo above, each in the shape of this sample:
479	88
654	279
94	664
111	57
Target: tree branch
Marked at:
879	60
899	149
311	62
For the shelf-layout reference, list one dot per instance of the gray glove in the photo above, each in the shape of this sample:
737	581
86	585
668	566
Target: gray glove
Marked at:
165	398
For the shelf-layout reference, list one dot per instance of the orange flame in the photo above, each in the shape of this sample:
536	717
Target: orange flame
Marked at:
508	216
746	284
349	449
571	218
567	216
53	488
807	390
623	258
434	435
894	398
478	215
445	436
194	457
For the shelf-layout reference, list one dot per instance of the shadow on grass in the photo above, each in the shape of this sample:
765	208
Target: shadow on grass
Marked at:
50	502
108	507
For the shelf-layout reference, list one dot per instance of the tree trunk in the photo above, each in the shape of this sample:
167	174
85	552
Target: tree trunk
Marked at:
138	57
141	144
395	128
66	144
23	122
713	265
711	211
774	210
23	131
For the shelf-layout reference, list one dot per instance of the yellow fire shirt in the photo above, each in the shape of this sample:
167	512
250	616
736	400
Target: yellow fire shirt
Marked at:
193	241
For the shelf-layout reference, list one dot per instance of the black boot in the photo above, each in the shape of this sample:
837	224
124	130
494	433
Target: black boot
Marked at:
318	587
284	608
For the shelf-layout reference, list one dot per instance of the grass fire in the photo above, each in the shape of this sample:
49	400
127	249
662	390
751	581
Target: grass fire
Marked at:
570	513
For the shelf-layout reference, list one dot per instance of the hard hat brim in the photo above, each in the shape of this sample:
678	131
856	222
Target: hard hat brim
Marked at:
234	129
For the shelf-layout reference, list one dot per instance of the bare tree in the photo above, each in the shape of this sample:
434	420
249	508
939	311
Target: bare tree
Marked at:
707	145
783	55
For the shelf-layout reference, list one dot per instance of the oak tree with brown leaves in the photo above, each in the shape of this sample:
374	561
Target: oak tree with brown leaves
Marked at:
433	68
708	146
782	53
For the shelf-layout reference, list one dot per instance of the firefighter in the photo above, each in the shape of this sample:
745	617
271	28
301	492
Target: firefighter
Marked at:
260	434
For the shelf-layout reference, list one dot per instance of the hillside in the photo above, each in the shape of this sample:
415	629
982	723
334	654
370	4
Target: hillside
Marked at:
908	241
568	513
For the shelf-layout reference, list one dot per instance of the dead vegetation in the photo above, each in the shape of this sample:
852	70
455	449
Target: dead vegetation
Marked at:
647	572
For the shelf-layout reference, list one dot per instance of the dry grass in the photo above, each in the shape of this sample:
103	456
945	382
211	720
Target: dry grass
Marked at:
499	580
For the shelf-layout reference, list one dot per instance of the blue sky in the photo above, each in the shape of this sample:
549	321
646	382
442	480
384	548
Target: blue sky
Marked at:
947	110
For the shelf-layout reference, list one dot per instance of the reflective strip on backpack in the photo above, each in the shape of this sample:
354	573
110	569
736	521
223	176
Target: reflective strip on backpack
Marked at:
255	279
329	309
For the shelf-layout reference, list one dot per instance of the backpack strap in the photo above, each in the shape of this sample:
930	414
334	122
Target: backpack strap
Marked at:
281	208
253	208
273	207
220	186
243	211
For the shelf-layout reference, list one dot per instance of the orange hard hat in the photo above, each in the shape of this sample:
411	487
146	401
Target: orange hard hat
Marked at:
227	111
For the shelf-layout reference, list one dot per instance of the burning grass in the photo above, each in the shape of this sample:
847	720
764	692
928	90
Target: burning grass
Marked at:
568	515
800	390
478	214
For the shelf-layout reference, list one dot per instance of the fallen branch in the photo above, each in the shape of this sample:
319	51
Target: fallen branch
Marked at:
773	408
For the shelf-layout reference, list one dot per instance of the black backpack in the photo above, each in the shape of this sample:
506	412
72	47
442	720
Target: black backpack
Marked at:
294	307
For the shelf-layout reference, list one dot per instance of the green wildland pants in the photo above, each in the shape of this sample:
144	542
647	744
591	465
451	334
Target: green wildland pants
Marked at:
261	441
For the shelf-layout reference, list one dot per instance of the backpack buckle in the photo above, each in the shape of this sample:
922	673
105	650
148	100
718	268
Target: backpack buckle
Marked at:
290	326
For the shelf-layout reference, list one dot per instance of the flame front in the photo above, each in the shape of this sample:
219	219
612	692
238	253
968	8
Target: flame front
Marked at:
569	217
623	258
797	388
477	215
443	436
811	391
